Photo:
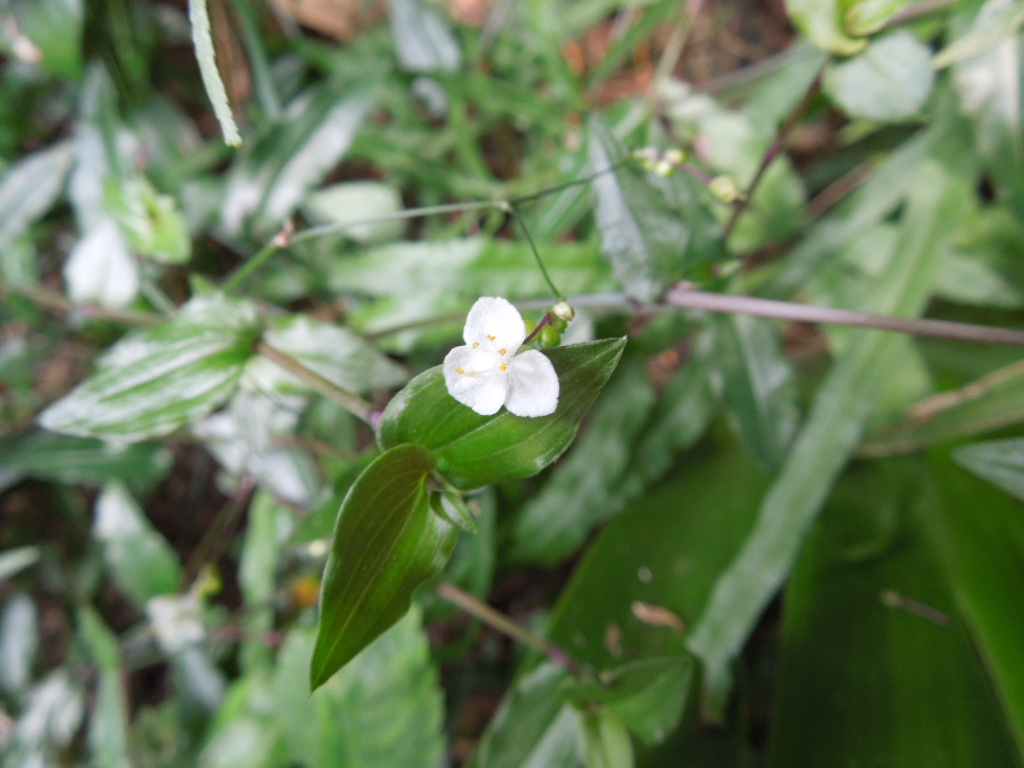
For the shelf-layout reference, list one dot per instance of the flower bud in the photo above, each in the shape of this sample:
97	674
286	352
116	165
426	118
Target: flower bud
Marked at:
549	336
563	311
724	189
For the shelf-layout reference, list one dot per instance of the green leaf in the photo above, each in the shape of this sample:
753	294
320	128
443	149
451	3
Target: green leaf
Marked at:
872	648
150	221
832	430
108	726
821	21
647	696
140	560
988	79
993	401
754	379
206	55
387	541
355	205
981	535
423	41
13	561
84	460
605	741
385	708
474	450
890	80
267	184
999	461
866	17
534	726
30	187
582	490
646	242
19	640
158	379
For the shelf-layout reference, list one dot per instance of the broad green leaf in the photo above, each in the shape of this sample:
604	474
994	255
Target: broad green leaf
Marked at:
267	184
646	242
998	461
534	727
30	187
423	41
889	80
158	379
150	221
981	536
385	708
387	541
873	652
54	28
832	430
754	380
865	17
993	401
108	726
665	551
332	351
646	696
821	21
995	21
140	560
84	460
474	450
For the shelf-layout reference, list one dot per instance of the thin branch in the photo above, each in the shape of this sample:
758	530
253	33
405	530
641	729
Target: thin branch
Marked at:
681	296
506	626
354	404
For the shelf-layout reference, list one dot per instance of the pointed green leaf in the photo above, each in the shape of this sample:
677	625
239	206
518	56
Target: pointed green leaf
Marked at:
474	450
150	221
604	741
641	236
754	379
868	16
84	460
30	187
158	379
387	541
998	461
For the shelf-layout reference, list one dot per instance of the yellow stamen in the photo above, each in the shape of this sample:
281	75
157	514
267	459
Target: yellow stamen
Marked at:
476	344
504	366
459	370
490	337
502	351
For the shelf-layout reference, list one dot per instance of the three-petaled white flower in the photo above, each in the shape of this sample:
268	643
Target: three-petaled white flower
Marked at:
487	373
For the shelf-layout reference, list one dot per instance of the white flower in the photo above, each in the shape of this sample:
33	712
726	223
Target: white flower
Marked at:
487	373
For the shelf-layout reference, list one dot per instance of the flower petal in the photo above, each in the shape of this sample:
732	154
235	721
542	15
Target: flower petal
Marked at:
532	385
473	380
494	321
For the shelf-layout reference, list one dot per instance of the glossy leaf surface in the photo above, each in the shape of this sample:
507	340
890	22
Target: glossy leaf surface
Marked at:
387	541
474	450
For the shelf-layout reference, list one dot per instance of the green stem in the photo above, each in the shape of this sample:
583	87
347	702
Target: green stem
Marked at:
559	296
257	58
506	626
354	404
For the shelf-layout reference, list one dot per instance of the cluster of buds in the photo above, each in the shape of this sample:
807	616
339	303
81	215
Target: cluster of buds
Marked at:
665	162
